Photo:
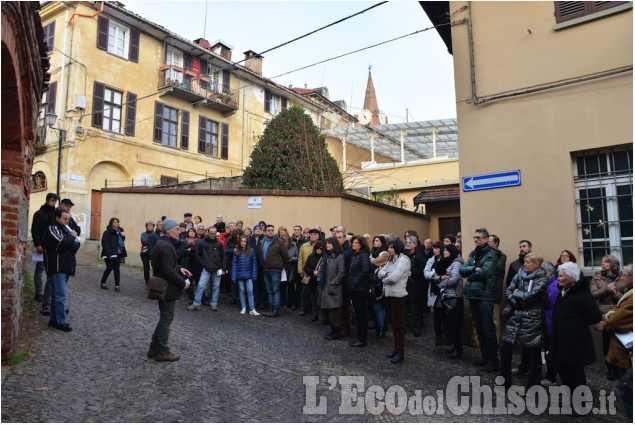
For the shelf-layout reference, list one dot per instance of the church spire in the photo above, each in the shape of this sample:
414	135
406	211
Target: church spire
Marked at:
370	100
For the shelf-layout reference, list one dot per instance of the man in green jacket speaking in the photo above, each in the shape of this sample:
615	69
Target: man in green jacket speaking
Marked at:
481	269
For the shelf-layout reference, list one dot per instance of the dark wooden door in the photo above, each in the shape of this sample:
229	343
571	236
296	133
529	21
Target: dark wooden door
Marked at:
449	225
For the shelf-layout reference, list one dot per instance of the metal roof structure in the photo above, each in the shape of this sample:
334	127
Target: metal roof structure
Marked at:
421	139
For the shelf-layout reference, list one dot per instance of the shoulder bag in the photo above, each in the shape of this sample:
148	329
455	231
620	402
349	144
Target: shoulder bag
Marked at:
157	288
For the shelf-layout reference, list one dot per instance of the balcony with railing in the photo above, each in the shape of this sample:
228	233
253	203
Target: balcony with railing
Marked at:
200	91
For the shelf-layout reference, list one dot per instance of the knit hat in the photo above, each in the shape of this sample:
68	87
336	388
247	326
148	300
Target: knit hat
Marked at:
169	223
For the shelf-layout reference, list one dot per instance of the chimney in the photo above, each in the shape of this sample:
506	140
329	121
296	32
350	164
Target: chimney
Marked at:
202	42
253	62
225	49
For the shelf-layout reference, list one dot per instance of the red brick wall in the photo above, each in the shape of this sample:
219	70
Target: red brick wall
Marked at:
23	73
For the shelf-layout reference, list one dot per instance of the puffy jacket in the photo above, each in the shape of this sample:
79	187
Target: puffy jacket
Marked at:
291	267
277	255
59	250
550	301
210	254
573	313
527	297
42	219
359	274
417	285
110	243
152	239
164	265
452	287
395	284
480	283
245	266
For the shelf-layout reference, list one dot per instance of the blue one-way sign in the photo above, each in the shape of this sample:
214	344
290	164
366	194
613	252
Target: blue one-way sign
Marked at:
491	181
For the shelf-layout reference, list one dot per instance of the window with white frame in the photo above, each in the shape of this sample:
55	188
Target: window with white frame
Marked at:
174	57
118	39
112	110
170	122
604	198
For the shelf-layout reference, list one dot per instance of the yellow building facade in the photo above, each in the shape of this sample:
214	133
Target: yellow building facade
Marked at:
546	88
141	106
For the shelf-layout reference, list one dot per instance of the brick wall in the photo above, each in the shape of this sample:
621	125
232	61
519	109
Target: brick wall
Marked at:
24	66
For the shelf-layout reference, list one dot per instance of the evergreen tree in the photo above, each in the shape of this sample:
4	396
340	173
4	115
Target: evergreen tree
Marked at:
292	155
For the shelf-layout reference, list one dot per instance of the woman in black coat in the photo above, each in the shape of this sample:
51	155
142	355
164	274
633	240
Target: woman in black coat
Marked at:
417	285
311	268
112	250
359	285
575	310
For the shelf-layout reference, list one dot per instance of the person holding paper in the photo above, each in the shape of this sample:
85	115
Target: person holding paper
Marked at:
619	320
112	250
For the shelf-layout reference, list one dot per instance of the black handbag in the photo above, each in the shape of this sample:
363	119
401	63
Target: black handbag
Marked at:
448	304
157	288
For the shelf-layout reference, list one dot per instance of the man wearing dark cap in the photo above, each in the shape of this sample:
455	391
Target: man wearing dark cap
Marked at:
65	205
41	220
187	219
305	250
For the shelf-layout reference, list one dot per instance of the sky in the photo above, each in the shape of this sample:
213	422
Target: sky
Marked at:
414	73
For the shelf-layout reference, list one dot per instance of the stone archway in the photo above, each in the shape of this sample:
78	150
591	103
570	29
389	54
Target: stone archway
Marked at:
23	71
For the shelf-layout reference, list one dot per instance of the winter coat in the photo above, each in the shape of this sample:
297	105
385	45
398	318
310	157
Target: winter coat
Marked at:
59	250
230	246
552	293
348	255
573	313
500	276
110	243
330	278
417	285
152	239
452	287
164	265
310	265
245	267
188	258
599	288
42	219
291	268
145	236
619	319
527	297
71	222
480	283
395	284
304	253
276	257
210	254
359	274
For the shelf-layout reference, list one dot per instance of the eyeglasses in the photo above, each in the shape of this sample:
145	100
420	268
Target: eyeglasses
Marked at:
478	237
565	256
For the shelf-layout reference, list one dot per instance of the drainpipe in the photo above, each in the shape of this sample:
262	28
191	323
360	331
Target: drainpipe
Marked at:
61	124
84	14
470	40
344	154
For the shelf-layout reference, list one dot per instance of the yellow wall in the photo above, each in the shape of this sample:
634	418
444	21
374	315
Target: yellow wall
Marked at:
536	133
134	209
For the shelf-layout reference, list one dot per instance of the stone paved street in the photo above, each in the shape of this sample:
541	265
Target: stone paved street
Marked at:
233	368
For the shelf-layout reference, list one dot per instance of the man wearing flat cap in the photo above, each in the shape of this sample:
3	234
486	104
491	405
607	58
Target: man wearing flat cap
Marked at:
65	205
187	219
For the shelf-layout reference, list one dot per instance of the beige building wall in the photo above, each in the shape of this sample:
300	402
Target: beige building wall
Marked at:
357	215
516	46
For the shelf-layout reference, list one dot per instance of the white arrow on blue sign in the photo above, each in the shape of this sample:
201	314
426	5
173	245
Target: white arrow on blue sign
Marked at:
491	181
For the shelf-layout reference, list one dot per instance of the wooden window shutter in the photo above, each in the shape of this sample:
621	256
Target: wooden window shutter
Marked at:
203	63
202	121
133	50
102	32
185	129
187	62
226	77
98	104
283	101
158	121
267	101
131	113
49	36
569	10
224	147
50	97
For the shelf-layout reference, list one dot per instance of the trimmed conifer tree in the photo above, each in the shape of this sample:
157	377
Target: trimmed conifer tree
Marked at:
292	155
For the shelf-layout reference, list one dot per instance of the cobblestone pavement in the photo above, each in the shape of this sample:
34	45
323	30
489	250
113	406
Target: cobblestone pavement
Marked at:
233	368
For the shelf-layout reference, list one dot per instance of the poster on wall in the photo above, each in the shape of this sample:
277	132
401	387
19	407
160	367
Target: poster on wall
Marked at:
254	202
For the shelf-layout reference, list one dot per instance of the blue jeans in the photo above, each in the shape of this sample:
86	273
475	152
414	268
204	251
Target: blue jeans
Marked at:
249	285
202	284
483	317
58	289
272	283
380	311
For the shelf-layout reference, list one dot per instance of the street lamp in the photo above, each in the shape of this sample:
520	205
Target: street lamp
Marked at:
50	122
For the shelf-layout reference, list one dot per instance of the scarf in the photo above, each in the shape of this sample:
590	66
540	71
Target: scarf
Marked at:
609	277
444	262
523	274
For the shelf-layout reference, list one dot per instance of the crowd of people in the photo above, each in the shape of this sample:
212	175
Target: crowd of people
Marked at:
346	279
